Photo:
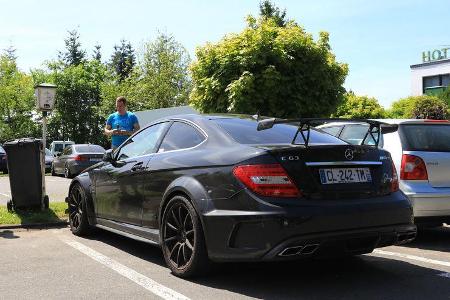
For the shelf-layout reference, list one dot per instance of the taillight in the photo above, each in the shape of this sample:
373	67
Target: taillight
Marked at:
394	182
266	180
413	168
80	158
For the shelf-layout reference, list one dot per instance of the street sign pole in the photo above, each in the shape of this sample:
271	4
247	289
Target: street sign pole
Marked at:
44	135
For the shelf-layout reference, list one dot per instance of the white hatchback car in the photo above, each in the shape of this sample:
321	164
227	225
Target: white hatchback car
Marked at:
420	150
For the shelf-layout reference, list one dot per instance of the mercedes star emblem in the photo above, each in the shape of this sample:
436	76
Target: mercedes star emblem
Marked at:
349	154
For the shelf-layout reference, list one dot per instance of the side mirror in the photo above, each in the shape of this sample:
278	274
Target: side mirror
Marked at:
108	156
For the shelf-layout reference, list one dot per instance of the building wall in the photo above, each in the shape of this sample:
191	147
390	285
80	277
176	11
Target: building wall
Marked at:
424	70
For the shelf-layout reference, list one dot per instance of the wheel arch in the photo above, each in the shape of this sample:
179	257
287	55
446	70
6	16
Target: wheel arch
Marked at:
190	188
85	183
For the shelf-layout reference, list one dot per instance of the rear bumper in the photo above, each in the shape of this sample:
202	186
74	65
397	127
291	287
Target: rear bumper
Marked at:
430	204
340	227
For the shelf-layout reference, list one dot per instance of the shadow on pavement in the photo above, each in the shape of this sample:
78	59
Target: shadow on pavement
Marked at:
8	234
437	239
361	277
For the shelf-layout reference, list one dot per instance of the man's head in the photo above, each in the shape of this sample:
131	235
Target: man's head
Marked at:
121	105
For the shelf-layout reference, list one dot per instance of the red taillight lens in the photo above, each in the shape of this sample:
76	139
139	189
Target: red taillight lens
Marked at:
413	168
394	182
266	180
80	158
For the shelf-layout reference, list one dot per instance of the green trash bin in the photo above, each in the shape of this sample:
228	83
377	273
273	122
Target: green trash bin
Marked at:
25	174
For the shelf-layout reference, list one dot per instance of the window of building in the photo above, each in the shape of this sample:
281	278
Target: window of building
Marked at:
436	81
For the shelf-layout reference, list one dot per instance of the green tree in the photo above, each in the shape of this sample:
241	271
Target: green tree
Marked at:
74	54
278	71
16	101
419	107
97	55
268	10
123	60
363	107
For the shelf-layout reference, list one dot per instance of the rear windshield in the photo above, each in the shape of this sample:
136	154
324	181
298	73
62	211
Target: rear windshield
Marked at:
429	137
89	149
244	132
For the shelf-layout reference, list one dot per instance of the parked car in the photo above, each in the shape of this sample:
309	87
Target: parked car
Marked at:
421	153
58	146
48	160
75	158
3	161
217	188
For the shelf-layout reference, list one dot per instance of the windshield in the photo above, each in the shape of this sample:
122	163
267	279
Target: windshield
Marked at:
48	152
426	137
244	132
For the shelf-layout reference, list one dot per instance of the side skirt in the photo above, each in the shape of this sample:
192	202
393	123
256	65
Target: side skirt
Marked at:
138	233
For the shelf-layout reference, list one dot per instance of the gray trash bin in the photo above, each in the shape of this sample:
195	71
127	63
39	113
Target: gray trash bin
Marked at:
25	175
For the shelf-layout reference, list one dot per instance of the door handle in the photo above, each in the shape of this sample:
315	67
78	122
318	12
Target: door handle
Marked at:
137	167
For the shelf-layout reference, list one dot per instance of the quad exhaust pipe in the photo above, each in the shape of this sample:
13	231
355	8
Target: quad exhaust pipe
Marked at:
299	250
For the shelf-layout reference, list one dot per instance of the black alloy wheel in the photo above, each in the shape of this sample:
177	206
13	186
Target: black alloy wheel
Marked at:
182	239
79	224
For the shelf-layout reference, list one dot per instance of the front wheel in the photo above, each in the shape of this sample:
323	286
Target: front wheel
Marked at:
79	224
183	243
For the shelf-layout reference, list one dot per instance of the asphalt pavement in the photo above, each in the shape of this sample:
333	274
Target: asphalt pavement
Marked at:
54	264
56	188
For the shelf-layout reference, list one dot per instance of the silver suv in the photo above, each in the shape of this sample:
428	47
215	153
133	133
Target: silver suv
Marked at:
420	150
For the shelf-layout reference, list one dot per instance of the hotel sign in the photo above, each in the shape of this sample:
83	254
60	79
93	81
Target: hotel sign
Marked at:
437	54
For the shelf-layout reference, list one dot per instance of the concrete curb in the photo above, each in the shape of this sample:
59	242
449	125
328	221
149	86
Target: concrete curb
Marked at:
36	225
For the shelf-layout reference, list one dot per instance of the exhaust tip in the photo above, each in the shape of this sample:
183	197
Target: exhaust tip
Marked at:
309	249
291	251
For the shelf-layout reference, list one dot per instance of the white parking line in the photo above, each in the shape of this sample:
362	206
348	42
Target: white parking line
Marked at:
145	282
413	257
6	195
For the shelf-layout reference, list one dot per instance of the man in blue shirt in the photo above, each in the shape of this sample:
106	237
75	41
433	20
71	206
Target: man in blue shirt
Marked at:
121	124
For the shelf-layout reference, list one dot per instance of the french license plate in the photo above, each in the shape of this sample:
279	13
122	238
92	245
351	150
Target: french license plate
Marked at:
345	175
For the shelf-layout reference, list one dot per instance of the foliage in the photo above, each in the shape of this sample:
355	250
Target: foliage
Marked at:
78	103
363	107
73	55
268	10
16	101
419	107
278	71
123	60
430	108
163	74
97	55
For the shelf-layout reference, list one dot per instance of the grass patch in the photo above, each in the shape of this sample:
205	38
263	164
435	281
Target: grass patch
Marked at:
55	213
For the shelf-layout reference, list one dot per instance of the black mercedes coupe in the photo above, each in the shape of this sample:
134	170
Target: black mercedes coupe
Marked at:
216	188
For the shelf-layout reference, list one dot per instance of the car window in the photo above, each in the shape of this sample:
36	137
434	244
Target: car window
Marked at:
333	130
426	137
59	147
244	131
67	150
48	152
89	149
181	136
354	134
2	150
143	143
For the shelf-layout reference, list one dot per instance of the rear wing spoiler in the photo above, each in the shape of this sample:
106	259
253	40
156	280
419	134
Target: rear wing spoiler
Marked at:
304	124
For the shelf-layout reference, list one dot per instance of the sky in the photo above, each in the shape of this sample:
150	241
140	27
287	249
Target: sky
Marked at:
379	40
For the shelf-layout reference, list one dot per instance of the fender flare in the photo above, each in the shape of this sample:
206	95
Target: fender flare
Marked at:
192	188
85	181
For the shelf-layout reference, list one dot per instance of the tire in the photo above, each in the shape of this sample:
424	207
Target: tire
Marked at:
46	202
52	170
67	173
182	239
79	224
5	171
